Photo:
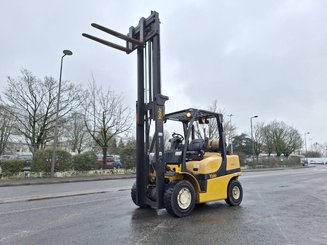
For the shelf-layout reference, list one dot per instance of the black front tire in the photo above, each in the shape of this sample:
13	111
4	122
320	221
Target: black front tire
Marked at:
179	198
234	193
133	195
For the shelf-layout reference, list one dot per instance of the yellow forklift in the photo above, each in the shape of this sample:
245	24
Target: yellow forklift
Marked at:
194	169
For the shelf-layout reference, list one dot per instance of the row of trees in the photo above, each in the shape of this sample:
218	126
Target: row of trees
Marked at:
275	137
317	150
87	118
94	117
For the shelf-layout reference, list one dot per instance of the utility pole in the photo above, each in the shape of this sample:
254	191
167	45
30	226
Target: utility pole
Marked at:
252	138
305	145
230	133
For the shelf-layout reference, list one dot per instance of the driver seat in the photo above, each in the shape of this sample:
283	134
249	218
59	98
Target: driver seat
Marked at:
195	150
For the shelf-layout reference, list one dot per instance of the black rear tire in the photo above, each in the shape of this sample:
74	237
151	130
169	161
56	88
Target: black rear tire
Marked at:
179	198
234	193
228	202
133	195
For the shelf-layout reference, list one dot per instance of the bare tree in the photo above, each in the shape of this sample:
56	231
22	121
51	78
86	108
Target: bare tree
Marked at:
6	125
321	148
268	144
292	141
76	132
32	103
210	130
278	134
258	138
313	154
105	116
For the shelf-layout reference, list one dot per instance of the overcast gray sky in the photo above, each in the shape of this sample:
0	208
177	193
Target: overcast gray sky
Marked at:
265	58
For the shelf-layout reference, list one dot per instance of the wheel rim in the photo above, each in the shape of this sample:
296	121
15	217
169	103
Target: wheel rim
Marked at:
236	192
184	198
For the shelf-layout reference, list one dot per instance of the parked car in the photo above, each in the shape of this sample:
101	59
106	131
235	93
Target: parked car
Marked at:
112	162
117	162
7	157
27	165
109	164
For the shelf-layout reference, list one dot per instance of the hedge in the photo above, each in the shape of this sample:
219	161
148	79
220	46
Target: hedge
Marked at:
42	161
85	161
11	167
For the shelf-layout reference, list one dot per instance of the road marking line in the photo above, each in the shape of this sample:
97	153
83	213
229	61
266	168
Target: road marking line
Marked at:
161	225
61	194
288	173
63	205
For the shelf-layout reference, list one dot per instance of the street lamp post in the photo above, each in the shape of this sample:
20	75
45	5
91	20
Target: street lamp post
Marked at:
252	138
66	52
305	145
230	133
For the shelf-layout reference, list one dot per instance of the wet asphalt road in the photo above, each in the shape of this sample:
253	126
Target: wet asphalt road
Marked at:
279	207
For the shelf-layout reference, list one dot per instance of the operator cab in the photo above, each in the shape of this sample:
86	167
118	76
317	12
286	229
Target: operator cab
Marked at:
201	131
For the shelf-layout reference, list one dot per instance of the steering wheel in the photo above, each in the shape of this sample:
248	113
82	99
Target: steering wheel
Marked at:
178	137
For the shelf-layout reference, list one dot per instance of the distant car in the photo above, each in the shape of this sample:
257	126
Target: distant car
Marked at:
117	162
27	165
7	157
25	157
109	164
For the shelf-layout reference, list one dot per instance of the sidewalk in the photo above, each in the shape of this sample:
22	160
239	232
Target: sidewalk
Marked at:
39	181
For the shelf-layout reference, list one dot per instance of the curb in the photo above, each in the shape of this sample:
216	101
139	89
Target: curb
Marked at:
273	169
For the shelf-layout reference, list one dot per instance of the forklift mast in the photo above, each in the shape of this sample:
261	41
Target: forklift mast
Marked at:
150	104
